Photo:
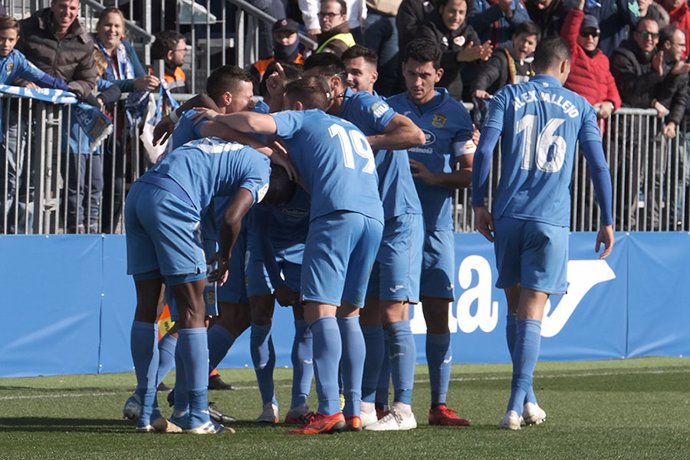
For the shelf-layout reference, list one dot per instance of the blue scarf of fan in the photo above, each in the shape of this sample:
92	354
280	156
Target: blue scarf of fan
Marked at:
95	123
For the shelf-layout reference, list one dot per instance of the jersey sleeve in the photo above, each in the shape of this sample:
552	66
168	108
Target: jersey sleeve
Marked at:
288	123
462	140
589	130
372	111
257	178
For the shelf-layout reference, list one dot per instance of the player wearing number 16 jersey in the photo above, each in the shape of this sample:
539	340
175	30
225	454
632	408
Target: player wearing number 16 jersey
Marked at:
540	123
338	170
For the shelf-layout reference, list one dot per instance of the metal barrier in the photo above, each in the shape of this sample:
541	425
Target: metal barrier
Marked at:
650	175
38	175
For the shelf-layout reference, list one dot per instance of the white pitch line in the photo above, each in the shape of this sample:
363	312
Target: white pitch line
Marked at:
457	379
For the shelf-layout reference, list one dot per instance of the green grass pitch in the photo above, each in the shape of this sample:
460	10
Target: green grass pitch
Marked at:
634	409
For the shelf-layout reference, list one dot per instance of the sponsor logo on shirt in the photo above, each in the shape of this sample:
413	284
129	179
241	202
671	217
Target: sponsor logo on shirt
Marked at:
429	137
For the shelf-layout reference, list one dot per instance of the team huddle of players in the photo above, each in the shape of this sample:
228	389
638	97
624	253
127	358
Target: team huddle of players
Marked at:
350	223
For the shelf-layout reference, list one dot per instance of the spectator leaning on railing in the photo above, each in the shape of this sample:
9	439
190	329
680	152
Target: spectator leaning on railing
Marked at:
54	41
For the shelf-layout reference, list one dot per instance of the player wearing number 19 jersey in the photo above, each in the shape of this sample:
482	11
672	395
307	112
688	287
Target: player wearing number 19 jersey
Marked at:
541	123
337	167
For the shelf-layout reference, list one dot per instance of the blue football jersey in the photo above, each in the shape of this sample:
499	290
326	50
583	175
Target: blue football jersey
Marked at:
186	130
370	113
335	161
447	127
541	124
210	167
286	226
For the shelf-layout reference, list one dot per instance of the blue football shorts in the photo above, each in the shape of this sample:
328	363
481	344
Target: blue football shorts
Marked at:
534	254
338	256
438	264
162	236
398	266
258	281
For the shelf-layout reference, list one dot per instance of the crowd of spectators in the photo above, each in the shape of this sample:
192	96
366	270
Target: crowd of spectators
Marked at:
625	54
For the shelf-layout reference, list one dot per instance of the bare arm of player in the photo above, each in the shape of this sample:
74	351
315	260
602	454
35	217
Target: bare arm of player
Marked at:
275	151
229	230
460	178
400	133
245	122
166	125
484	222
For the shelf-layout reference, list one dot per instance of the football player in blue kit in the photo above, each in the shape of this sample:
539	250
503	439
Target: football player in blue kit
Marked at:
275	246
163	212
228	89
540	123
395	277
448	130
337	167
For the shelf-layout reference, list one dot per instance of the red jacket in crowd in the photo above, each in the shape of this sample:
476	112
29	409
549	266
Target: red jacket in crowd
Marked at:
589	77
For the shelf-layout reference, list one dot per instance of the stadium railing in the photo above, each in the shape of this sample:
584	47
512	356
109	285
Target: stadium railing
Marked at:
650	174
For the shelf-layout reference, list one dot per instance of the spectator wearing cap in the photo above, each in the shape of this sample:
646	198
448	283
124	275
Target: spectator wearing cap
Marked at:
616	18
286	49
590	74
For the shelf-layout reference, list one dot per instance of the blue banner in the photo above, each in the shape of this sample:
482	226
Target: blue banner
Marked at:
632	304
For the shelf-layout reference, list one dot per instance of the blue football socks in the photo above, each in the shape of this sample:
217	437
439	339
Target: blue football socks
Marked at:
302	363
511	337
219	342
193	346
327	352
526	354
352	363
144	348
403	357
181	404
166	356
384	375
375	351
264	360
438	357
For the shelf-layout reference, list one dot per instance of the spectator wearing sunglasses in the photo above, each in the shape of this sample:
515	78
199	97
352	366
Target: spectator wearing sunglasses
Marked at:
589	67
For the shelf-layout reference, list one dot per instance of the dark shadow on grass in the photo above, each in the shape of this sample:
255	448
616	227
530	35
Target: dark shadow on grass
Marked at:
61	425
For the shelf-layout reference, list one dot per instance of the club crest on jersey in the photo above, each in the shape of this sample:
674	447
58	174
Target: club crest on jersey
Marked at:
379	108
439	121
10	66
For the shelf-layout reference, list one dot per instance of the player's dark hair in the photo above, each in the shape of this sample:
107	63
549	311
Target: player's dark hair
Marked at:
224	79
358	51
550	53
327	65
342	3
666	34
292	72
280	188
423	50
312	92
166	40
528	28
9	22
